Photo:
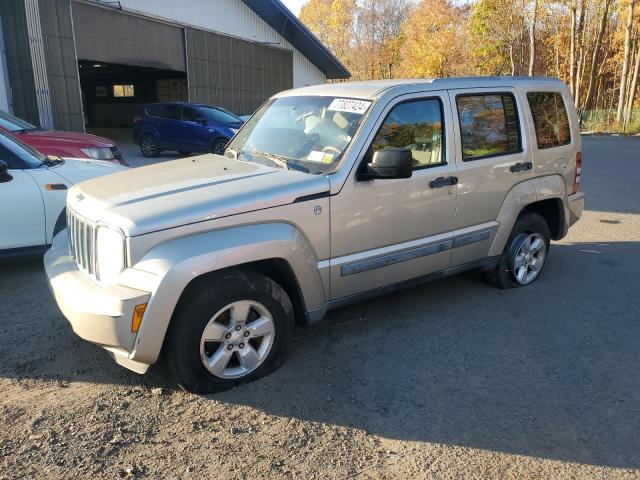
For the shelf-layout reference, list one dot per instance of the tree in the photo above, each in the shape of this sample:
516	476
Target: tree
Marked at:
626	61
332	21
532	38
435	43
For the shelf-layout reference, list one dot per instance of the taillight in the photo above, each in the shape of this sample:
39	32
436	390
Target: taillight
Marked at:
576	179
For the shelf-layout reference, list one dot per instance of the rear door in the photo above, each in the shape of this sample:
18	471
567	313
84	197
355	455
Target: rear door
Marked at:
167	122
492	156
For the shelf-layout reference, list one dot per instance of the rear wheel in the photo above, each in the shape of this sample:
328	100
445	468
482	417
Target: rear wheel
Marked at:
218	145
149	146
525	255
232	330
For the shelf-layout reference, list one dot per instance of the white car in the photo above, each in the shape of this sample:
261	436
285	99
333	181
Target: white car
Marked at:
33	192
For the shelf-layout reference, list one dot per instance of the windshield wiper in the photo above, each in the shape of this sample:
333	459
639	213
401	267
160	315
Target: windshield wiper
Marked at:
51	161
274	158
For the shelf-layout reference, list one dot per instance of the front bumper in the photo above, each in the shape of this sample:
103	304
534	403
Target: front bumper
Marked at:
100	314
576	205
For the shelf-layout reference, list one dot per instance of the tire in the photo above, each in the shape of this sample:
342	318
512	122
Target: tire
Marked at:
218	145
149	146
532	228
202	314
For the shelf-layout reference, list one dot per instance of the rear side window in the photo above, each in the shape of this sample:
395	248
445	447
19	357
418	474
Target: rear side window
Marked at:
415	125
488	125
171	112
549	119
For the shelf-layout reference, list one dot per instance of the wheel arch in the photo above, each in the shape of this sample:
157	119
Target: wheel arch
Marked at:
277	250
545	196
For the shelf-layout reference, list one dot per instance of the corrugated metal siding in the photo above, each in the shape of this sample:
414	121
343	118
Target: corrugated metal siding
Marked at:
111	36
229	17
40	77
234	73
62	67
20	71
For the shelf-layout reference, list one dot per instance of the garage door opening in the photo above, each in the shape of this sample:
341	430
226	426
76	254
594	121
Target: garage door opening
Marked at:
113	94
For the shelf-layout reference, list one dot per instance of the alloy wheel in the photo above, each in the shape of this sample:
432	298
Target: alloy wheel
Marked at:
529	258
237	339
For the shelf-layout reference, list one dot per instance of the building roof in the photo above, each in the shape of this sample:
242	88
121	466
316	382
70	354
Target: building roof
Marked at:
293	30
375	88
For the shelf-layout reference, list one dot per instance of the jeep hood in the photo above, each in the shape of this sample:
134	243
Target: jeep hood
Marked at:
189	190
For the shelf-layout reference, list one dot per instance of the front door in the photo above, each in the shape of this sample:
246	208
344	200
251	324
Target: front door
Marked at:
22	222
387	231
196	133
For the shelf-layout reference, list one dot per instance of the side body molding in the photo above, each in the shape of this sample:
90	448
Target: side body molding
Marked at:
175	263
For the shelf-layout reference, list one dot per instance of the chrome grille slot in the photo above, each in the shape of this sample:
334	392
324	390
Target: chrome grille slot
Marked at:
82	241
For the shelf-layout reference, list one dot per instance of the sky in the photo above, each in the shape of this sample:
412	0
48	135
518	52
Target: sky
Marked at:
294	5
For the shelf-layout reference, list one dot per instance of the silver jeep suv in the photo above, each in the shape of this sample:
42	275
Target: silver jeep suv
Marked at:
328	195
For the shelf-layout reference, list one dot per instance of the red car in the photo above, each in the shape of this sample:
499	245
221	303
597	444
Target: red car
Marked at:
58	143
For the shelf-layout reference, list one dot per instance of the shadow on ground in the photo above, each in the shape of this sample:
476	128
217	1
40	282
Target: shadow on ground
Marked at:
549	371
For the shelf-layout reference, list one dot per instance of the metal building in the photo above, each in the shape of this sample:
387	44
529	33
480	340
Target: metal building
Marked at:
74	63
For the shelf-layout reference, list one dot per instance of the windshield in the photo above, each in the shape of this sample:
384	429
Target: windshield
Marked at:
18	155
302	133
14	124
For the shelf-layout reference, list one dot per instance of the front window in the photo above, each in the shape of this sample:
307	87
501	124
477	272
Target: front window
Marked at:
304	133
218	115
17	155
14	124
415	125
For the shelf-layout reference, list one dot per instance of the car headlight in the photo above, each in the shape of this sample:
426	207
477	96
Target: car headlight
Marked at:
96	153
110	253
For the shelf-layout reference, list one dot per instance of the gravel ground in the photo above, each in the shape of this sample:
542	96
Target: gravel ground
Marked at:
451	380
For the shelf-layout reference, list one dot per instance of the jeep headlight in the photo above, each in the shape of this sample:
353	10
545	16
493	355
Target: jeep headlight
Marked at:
110	254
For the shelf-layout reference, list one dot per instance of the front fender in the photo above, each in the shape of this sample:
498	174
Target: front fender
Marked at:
174	264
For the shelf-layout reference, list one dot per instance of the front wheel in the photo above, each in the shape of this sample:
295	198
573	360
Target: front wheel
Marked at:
218	145
230	329
525	254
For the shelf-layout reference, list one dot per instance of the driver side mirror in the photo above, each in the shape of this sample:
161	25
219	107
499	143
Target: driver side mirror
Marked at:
202	121
387	164
5	176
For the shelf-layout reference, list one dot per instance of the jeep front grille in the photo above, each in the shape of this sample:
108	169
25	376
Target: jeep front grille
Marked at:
82	241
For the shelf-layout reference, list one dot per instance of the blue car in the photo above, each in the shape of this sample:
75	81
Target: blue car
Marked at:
185	127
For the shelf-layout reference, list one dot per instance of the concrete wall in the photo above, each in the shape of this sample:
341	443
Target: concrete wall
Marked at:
230	17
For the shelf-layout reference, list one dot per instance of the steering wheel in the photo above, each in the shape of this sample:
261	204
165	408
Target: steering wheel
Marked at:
330	149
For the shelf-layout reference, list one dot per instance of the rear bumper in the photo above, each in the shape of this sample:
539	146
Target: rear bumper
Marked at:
96	313
576	206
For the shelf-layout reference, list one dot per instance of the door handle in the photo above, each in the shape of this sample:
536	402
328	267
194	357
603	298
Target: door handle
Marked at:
443	182
519	167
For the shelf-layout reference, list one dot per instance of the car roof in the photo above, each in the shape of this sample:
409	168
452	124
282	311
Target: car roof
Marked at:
375	88
192	104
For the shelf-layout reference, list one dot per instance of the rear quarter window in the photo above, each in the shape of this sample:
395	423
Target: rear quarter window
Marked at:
489	125
550	119
160	110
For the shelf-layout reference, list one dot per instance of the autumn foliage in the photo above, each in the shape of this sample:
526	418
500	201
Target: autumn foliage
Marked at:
591	45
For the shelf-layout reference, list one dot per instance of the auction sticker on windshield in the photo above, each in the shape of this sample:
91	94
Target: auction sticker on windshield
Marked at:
349	105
